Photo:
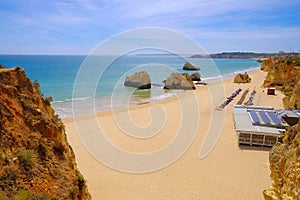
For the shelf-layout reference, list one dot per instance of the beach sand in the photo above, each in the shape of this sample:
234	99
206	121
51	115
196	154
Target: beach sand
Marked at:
227	172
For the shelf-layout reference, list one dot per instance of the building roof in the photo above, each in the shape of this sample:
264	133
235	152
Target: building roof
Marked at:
289	113
244	123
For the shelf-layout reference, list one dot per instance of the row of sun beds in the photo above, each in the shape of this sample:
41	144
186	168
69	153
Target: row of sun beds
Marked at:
250	100
229	99
241	100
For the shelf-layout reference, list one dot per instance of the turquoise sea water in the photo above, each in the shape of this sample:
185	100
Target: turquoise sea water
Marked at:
57	75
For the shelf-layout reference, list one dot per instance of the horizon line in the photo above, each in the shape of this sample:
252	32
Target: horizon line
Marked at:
32	54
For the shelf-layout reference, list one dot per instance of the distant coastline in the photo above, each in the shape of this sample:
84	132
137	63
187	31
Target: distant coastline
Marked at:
243	55
231	55
237	55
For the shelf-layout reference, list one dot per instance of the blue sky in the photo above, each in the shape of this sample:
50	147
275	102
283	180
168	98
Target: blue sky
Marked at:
78	26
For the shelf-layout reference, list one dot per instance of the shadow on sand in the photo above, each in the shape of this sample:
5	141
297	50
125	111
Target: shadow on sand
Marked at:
254	148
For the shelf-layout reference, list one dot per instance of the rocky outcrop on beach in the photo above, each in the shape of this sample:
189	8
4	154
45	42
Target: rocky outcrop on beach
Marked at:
195	77
242	78
284	161
179	81
140	80
284	74
189	66
36	161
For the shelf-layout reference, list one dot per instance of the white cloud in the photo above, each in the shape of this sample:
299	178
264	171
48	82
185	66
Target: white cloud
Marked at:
270	33
91	21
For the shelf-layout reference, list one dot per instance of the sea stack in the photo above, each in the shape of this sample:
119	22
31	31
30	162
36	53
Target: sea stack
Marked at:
196	77
189	66
179	81
140	80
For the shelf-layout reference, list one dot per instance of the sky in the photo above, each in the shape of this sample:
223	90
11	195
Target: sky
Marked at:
78	26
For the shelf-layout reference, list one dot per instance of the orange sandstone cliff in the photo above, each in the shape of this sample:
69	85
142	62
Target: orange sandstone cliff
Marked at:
284	158
284	161
284	74
36	161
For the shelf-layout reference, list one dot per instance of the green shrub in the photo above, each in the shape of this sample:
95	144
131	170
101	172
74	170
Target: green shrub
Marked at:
3	196
25	157
24	195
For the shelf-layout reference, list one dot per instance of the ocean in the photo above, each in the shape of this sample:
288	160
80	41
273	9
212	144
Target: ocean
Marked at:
57	75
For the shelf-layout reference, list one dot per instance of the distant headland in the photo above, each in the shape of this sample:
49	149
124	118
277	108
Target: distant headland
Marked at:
244	55
237	54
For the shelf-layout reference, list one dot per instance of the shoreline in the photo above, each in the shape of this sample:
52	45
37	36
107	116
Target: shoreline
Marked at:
209	80
224	173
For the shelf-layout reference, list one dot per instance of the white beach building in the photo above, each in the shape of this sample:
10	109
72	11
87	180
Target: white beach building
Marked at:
257	125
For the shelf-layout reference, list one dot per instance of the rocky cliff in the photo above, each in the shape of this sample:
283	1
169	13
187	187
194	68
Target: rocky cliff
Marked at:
284	158
285	167
36	161
284	74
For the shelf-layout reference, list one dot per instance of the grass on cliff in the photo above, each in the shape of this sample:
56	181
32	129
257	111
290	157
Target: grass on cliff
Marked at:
3	196
25	157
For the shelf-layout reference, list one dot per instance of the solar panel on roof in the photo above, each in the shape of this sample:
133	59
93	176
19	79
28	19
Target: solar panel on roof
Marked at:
297	112
274	118
282	112
264	117
254	116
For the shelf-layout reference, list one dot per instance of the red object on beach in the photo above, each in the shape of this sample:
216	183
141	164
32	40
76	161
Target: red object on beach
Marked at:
270	91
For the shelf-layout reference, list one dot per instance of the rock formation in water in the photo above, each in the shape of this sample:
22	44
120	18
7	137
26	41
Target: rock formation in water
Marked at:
284	161
284	74
179	81
140	80
36	161
189	66
195	77
242	78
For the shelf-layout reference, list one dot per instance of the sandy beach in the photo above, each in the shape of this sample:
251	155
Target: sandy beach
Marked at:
227	172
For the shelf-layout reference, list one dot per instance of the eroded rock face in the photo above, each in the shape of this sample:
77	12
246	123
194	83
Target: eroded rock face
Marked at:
179	81
34	153
189	66
242	78
140	80
284	161
284	158
195	77
284	74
